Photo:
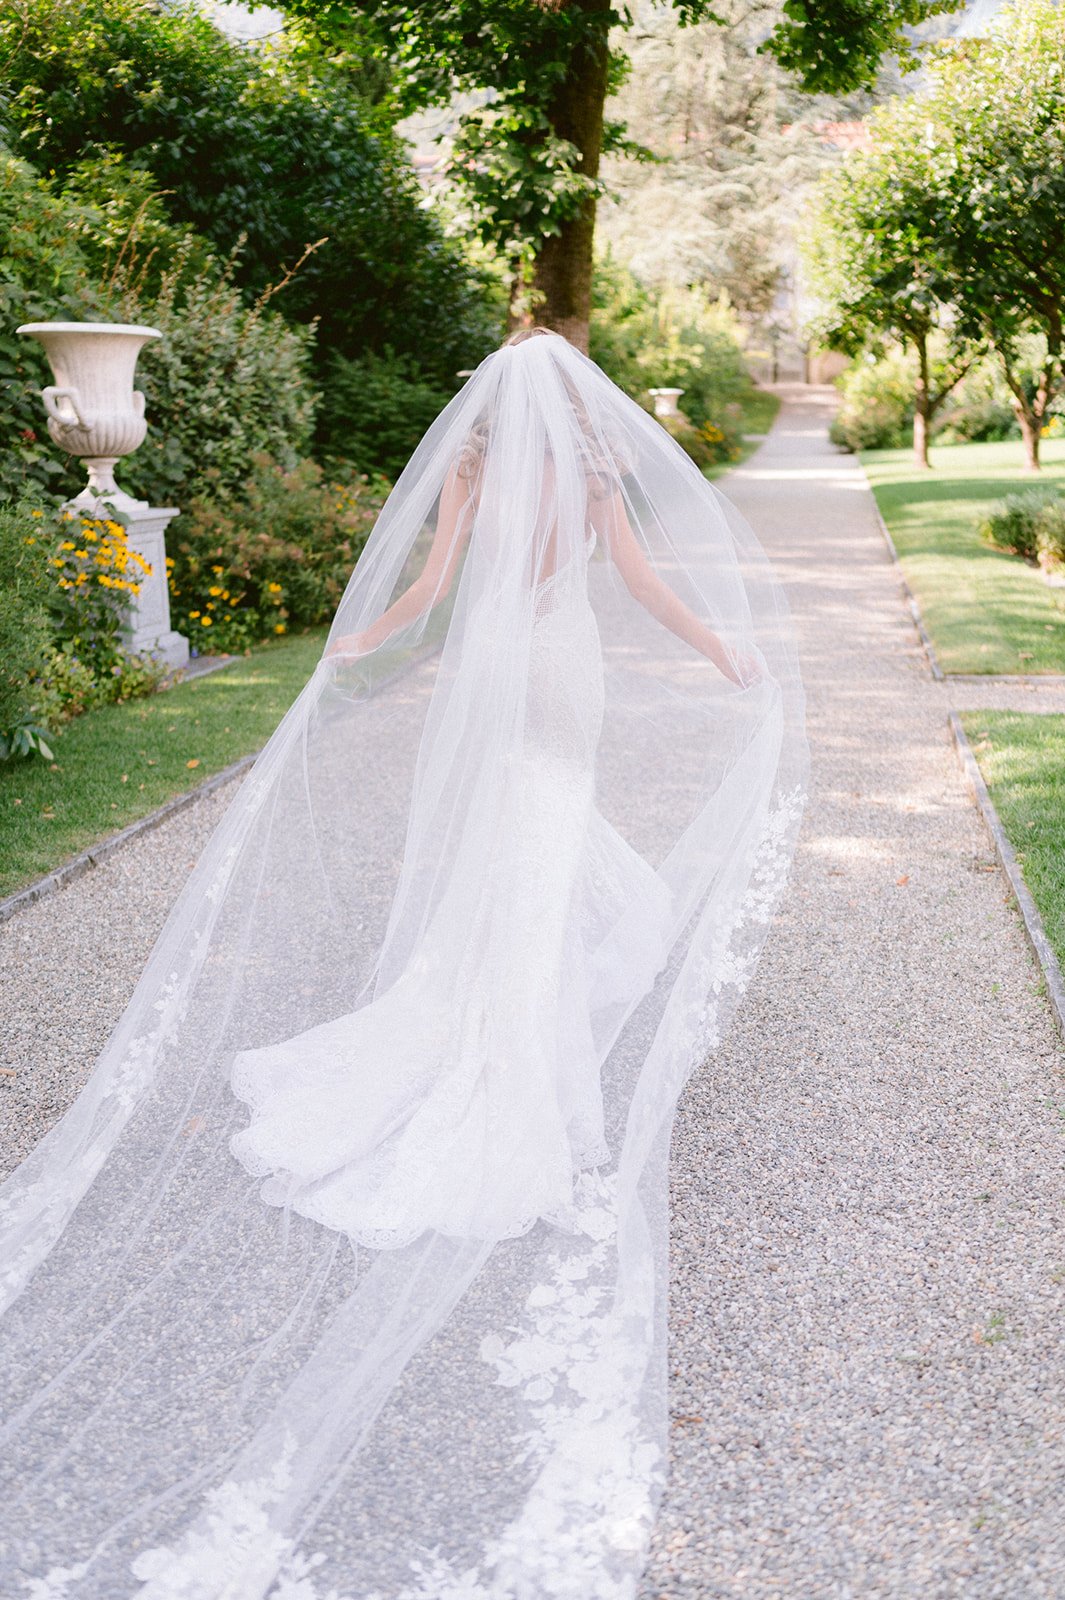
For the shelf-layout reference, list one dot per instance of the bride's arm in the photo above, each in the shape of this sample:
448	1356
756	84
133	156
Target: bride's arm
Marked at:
435	579
611	522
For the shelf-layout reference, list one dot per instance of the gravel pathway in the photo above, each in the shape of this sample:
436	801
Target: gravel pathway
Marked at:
868	1375
68	966
869	1264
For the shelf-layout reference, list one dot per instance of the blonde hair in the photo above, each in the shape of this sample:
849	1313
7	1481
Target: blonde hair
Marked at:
520	336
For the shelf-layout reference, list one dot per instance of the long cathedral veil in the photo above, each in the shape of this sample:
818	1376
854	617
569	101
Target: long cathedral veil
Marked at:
345	1276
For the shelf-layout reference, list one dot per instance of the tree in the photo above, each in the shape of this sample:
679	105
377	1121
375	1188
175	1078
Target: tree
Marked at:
725	127
992	146
529	151
871	256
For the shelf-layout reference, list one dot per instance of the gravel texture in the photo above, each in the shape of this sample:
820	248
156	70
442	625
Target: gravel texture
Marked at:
868	1374
868	1251
68	965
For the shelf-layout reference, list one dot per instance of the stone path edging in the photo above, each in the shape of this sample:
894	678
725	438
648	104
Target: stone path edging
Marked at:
1026	906
97	853
1029	911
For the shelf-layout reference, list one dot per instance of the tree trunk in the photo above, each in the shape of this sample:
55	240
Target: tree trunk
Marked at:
922	412
1030	413
562	273
1030	429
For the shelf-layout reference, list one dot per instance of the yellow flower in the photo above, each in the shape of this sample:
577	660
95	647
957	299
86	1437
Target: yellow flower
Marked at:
36	513
218	571
215	589
90	537
205	622
68	544
225	594
273	588
194	615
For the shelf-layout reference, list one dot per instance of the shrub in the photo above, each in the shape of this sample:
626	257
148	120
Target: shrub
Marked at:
708	446
1050	537
24	627
275	556
65	583
375	409
95	573
226	382
1015	525
876	404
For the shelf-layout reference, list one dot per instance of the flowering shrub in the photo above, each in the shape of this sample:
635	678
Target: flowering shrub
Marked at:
276	556
708	445
96	571
65	586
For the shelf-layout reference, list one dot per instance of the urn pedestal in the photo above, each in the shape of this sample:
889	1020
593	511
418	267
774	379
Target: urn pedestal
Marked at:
665	402
95	412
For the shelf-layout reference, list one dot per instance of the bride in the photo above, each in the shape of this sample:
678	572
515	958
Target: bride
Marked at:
344	1277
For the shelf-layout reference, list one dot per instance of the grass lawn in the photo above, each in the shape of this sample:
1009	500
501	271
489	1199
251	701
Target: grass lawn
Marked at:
116	764
758	413
759	409
1022	758
985	611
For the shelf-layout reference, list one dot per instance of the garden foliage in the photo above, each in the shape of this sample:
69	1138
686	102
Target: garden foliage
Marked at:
65	585
674	339
375	408
1030	525
260	147
274	556
227	379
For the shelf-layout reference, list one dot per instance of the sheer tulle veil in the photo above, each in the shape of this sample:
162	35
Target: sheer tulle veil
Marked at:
345	1276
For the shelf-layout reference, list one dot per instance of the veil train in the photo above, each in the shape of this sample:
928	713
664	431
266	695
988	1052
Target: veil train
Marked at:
345	1276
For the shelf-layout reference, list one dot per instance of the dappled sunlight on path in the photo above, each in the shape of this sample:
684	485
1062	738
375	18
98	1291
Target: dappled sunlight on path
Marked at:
867	1368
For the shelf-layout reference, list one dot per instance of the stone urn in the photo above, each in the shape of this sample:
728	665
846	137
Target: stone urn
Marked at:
666	402
95	412
93	409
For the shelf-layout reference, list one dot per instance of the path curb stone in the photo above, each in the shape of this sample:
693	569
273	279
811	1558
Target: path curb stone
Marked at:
1029	911
99	852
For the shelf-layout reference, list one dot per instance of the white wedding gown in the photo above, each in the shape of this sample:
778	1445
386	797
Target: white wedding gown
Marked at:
465	1096
491	892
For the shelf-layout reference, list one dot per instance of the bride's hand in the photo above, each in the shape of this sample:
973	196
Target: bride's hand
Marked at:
348	648
744	668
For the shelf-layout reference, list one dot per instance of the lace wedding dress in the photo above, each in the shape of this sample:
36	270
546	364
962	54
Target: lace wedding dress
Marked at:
465	1095
344	1277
